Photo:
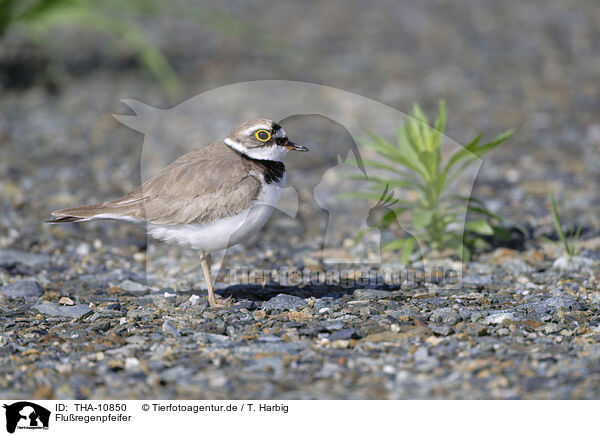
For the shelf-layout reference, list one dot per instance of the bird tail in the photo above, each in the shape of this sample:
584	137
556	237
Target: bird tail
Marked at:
77	214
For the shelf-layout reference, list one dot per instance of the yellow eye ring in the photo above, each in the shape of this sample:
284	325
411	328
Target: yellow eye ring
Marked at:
263	135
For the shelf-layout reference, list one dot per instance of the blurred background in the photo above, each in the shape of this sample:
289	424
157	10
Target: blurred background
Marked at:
64	67
65	64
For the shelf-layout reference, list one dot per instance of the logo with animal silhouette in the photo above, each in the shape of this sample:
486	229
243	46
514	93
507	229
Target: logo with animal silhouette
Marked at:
26	415
319	223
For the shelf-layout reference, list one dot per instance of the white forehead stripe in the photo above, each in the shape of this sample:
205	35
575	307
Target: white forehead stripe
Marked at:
280	133
255	127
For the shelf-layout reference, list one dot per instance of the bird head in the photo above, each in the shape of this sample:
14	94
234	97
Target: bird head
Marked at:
261	139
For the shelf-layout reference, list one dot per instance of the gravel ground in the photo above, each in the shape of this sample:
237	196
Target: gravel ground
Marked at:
80	318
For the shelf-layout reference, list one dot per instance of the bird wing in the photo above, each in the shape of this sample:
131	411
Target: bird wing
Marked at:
199	187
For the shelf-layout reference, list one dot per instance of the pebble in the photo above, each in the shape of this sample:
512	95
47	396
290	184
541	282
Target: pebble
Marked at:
133	287
284	302
516	267
575	263
365	294
446	316
553	304
53	309
11	258
27	289
595	302
442	330
169	329
343	334
66	301
499	317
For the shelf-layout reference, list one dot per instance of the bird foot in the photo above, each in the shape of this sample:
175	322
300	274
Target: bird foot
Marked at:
220	303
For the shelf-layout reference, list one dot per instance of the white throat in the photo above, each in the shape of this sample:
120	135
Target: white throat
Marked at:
273	152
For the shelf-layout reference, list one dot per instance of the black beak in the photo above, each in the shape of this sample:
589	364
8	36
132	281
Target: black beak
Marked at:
291	146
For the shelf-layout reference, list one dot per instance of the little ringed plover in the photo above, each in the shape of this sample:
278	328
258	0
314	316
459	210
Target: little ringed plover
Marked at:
209	199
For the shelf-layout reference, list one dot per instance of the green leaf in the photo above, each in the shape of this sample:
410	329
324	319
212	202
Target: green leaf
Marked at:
460	249
570	242
383	147
478	243
573	241
422	218
406	245
419	114
410	152
407	251
392	215
501	233
484	211
557	222
462	153
474	150
361	234
440	122
462	199
381	183
479	226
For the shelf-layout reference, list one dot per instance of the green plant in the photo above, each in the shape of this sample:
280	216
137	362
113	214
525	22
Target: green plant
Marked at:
112	18
568	241
415	163
121	20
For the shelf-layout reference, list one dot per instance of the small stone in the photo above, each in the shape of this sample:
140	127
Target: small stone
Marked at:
211	338
445	315
53	309
595	303
388	336
477	279
284	302
365	294
11	258
343	334
552	328
269	339
575	263
131	363
566	302
169	329
442	330
340	344
66	301
27	289
516	267
83	249
194	300
133	287
499	317
421	354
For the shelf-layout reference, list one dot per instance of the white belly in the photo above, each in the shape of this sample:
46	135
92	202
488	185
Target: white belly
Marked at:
226	232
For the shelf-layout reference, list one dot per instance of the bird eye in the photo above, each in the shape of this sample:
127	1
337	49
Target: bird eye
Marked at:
263	135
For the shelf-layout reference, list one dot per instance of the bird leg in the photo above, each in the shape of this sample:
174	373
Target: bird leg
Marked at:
212	299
